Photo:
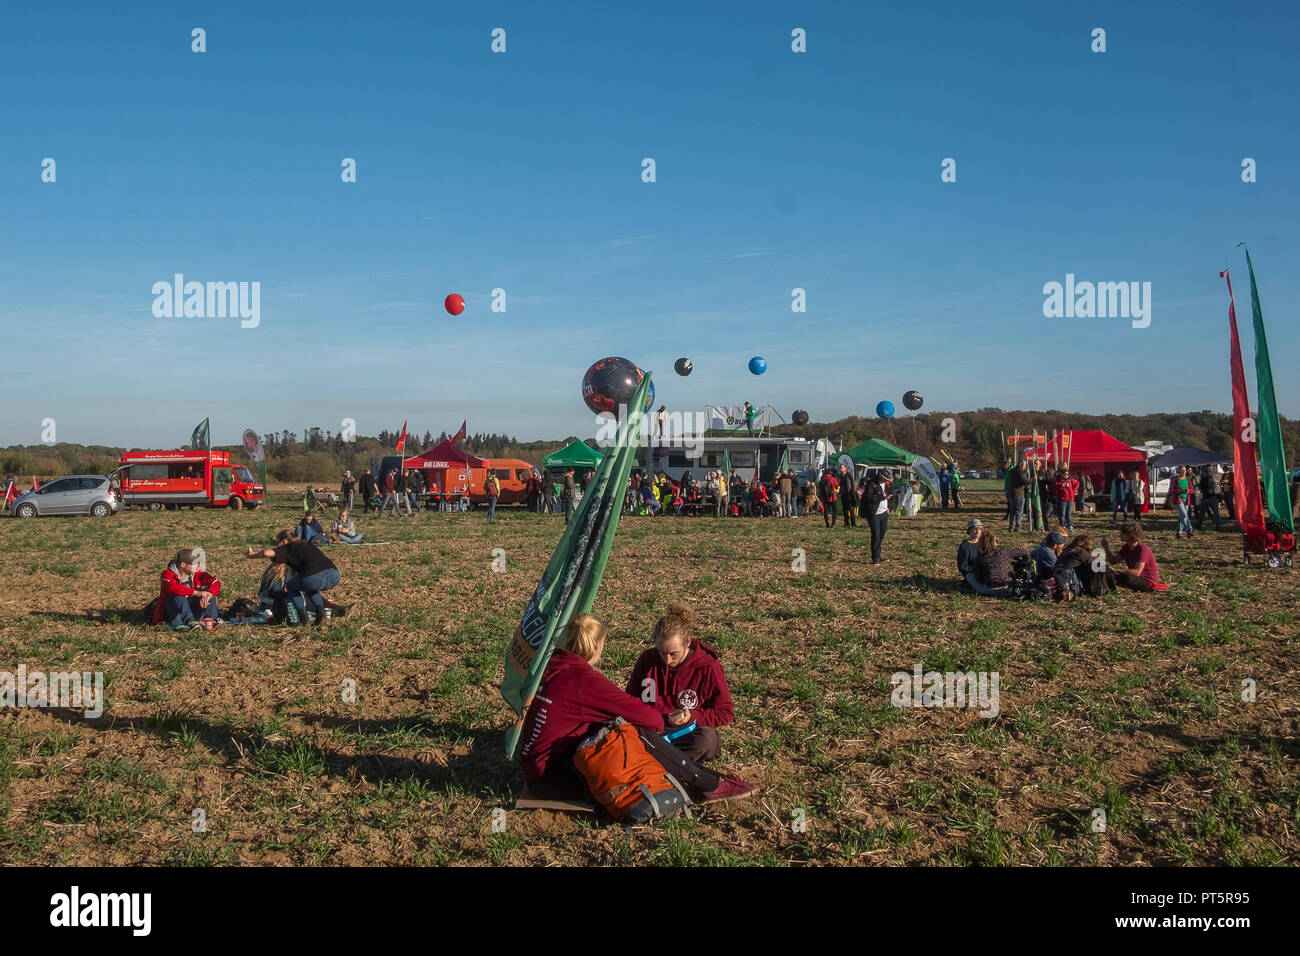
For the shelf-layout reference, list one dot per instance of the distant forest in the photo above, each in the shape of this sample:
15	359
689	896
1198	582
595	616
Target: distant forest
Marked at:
319	455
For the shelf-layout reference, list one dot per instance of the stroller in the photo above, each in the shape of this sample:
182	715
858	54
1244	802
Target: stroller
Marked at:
1276	543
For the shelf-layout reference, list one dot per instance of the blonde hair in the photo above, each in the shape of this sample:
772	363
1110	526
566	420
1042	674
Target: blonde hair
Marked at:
678	622
273	577
584	636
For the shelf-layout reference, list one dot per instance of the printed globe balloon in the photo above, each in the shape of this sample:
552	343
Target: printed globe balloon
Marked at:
799	417
610	383
758	365
454	303
913	400
683	366
885	410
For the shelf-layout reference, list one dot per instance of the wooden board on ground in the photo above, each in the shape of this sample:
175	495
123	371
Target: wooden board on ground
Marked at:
527	801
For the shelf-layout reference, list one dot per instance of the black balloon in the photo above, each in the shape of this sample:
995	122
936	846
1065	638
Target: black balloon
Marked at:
683	366
913	400
800	417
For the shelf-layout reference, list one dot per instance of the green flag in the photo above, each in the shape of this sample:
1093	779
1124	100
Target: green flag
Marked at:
569	583
201	440
785	461
1271	455
726	464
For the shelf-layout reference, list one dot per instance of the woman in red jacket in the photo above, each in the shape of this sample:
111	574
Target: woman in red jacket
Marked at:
574	700
682	679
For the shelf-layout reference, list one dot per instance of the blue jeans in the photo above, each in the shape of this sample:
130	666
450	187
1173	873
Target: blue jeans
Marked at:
749	423
492	508
349	538
1066	516
310	587
180	610
879	525
1184	519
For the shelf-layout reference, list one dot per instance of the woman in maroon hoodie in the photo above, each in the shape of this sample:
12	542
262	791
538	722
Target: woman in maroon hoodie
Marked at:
683	680
573	700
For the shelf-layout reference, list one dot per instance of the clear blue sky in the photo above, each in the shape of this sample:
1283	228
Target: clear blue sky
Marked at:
522	171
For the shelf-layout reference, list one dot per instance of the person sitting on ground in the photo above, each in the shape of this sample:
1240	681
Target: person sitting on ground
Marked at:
574	700
1046	556
312	574
685	683
345	529
309	529
969	549
1078	558
1143	573
994	563
188	595
968	559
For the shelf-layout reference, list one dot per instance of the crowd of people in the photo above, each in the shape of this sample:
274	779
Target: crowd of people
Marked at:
1060	567
298	574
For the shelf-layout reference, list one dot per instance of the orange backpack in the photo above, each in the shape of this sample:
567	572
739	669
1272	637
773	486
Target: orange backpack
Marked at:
624	778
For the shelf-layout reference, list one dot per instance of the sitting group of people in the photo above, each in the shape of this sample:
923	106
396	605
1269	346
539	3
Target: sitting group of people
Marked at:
1067	567
299	571
677	697
343	529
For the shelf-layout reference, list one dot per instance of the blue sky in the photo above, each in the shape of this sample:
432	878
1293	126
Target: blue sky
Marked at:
522	171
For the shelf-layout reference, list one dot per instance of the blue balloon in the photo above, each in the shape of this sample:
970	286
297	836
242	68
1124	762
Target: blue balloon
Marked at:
758	365
885	410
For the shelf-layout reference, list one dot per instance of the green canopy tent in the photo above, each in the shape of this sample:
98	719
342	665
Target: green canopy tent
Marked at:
576	454
877	453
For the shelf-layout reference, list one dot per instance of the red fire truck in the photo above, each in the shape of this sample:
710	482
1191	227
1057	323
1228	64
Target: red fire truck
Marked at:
170	479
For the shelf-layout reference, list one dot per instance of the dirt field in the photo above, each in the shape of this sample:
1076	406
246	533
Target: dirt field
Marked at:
1131	704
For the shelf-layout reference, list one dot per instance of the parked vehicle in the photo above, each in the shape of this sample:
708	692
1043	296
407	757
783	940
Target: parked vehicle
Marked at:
70	495
170	479
512	473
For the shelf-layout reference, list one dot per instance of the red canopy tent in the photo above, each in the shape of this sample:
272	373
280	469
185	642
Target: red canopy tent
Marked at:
446	465
1098	454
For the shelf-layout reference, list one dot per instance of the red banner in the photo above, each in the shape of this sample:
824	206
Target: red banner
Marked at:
1247	501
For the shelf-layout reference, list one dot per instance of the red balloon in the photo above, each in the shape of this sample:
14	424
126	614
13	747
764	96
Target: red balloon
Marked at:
455	303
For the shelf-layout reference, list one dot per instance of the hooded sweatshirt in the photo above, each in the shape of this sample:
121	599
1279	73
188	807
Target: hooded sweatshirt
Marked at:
571	702
175	584
697	685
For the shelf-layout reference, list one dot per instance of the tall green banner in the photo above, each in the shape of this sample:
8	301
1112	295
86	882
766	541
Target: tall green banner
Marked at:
1271	455
726	464
569	583
201	440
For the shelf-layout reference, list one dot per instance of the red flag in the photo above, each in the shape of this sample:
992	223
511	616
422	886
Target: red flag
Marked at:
401	442
460	435
35	484
11	492
1247	499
